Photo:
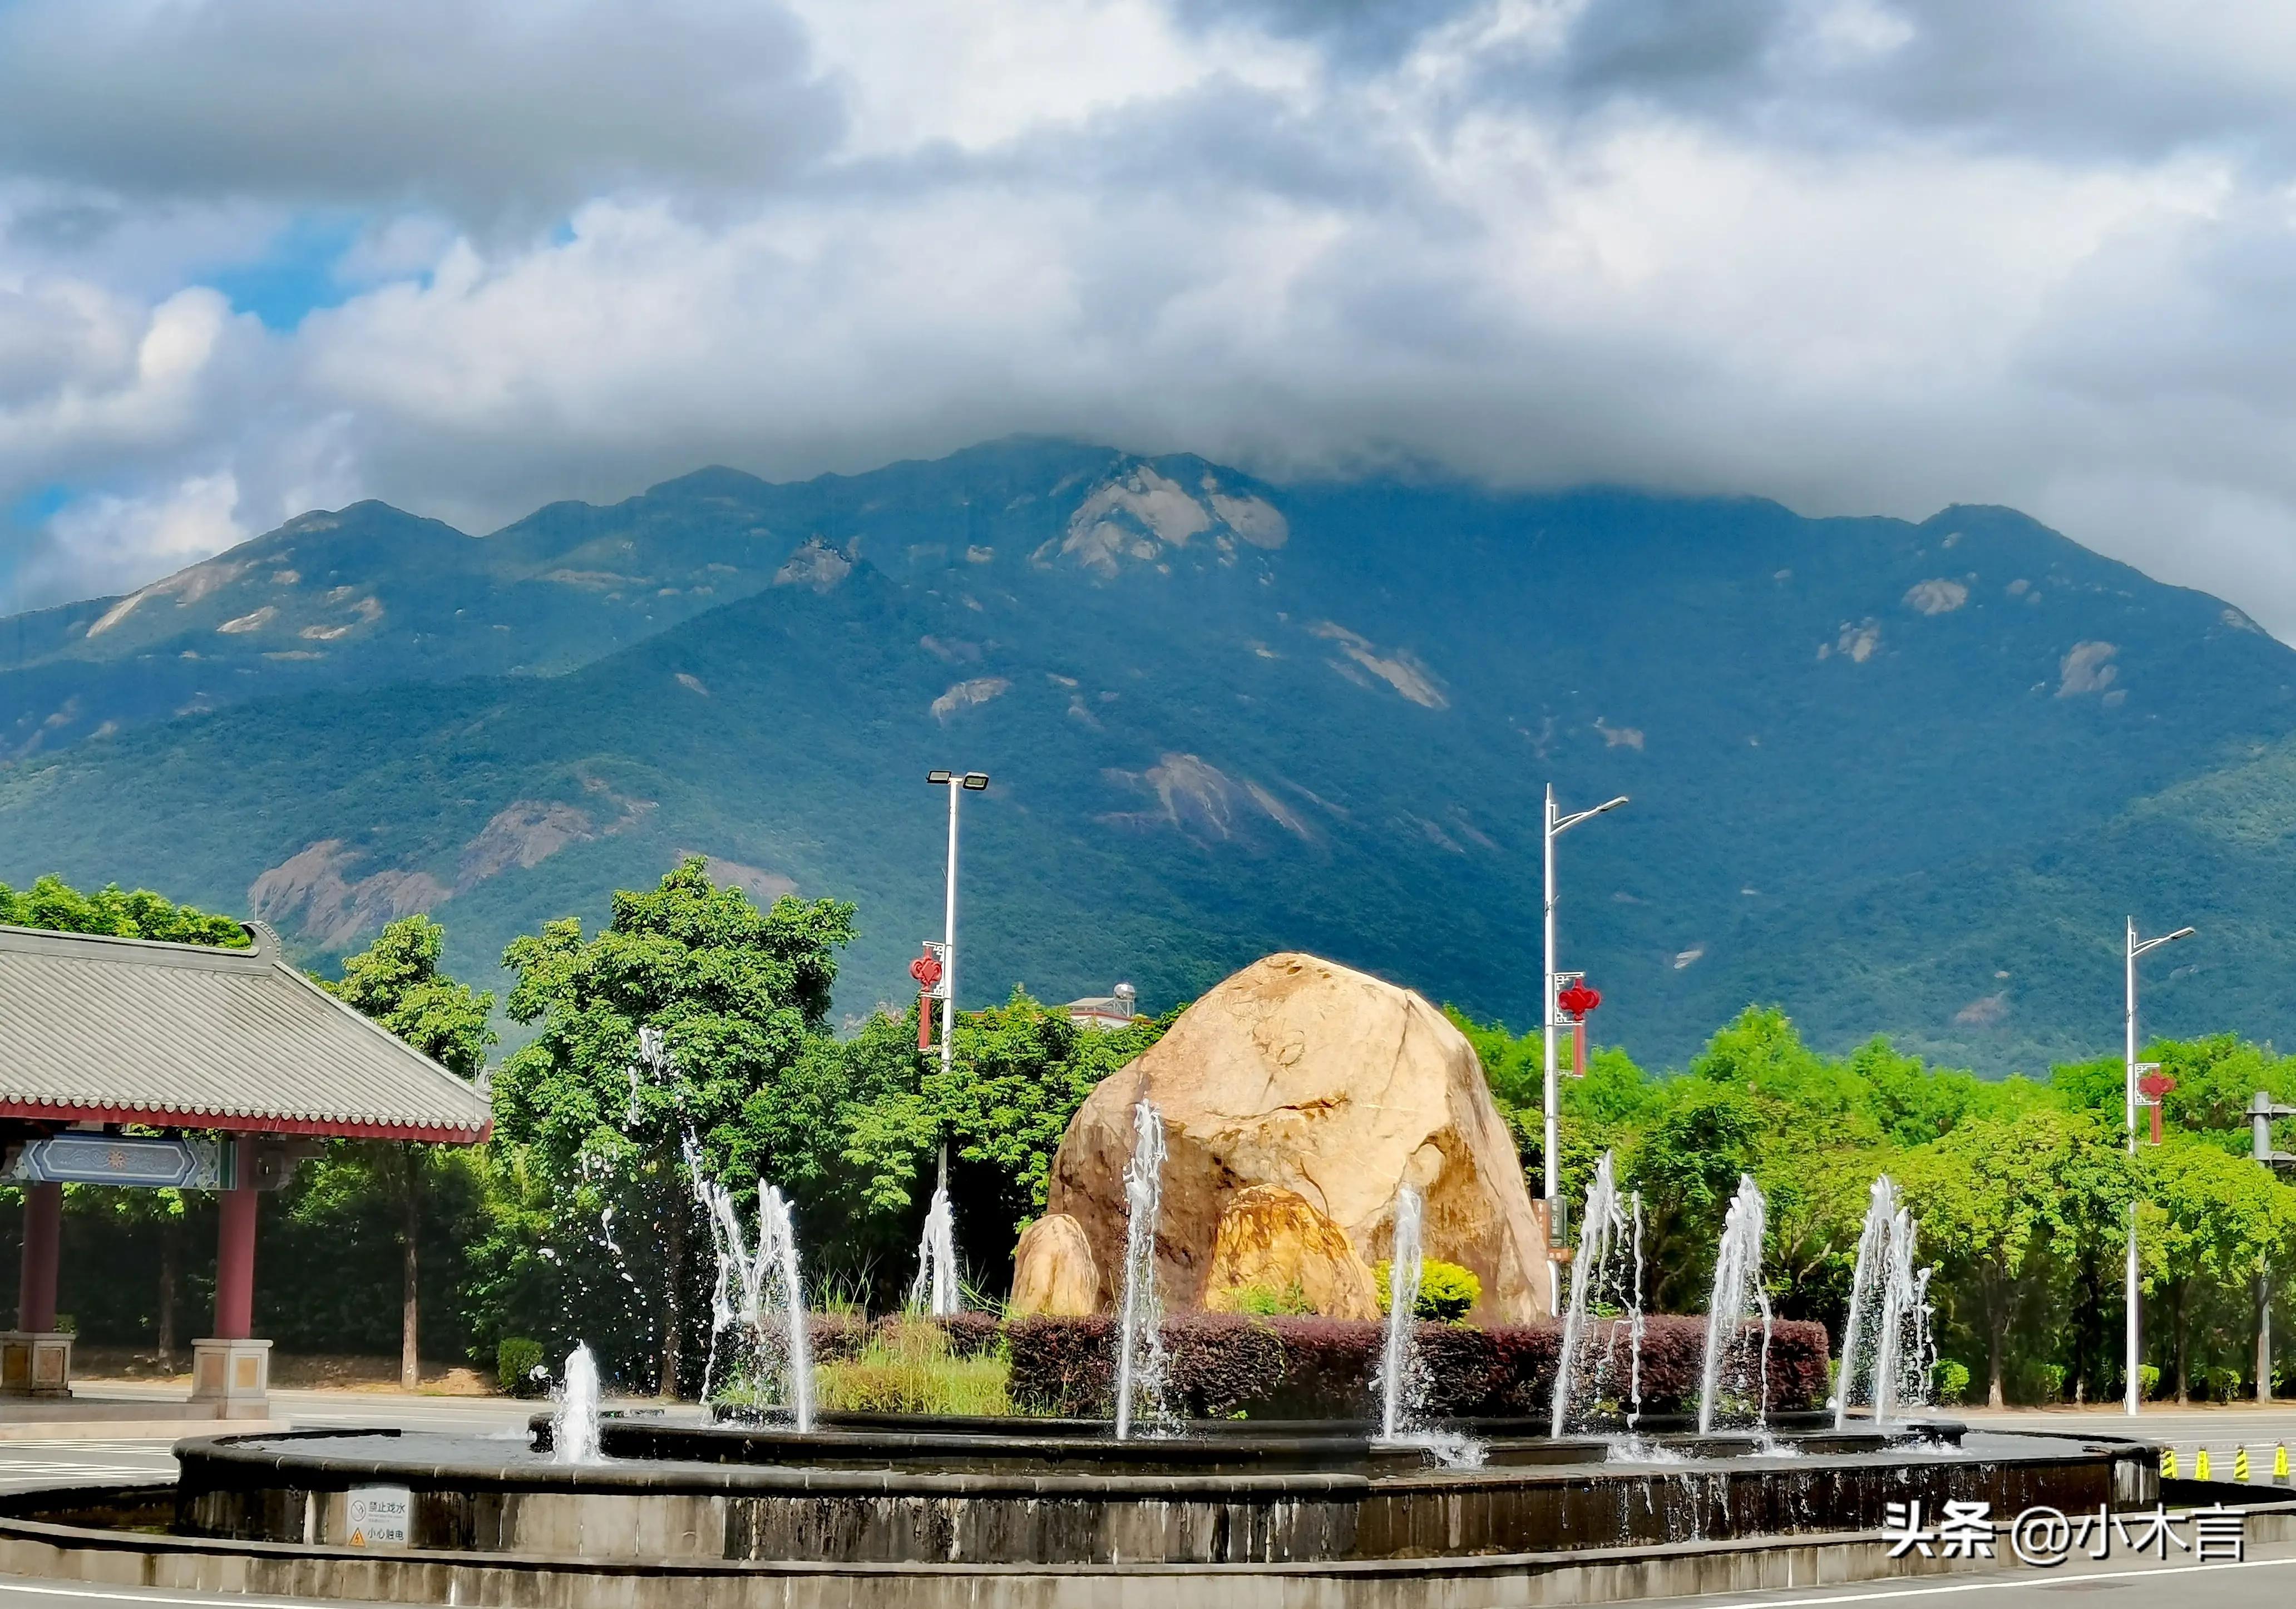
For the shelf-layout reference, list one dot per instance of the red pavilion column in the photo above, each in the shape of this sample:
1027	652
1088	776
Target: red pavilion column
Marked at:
231	1369
34	1360
43	1228
234	1314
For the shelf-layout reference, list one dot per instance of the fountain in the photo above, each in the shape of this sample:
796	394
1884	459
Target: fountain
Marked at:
760	1296
1404	1269
1606	1282
764	1505
1885	1340
936	1291
1737	1300
574	1428
1402	1466
1140	1344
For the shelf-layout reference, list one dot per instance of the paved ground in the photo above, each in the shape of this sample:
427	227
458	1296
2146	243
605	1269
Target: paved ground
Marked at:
2219	1429
60	1461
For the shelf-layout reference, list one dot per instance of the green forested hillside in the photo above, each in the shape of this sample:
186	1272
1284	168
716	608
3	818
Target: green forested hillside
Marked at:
1894	778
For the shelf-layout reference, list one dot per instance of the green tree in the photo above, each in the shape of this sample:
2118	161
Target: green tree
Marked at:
740	995
53	904
1995	1193
2216	1079
2217	1220
1017	1072
1687	1168
396	982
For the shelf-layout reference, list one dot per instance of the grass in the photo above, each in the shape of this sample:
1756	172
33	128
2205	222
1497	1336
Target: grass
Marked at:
906	1369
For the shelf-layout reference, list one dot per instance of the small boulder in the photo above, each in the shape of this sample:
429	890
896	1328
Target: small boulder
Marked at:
1053	1270
1274	1239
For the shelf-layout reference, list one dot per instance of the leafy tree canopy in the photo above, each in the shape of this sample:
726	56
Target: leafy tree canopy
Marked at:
53	904
736	991
397	981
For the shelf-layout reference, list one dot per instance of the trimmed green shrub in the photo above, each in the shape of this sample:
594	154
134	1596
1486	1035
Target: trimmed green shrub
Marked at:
1952	1380
1448	1293
1268	1302
517	1364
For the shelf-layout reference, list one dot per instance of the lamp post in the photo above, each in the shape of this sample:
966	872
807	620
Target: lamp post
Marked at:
2262	1110
2133	1298
1555	826
958	784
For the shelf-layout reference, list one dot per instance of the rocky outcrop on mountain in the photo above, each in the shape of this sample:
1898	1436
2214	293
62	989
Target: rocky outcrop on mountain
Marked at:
1140	515
525	833
816	564
311	890
1337	1088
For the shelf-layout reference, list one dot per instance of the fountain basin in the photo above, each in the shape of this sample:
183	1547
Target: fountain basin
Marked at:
918	1491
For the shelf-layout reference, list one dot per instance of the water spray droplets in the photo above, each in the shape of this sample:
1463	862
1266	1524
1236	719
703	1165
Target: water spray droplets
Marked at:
1887	1354
1735	1377
1140	1342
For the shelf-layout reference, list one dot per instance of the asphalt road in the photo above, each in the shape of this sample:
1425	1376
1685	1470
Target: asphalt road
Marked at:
2188	1430
2259	1584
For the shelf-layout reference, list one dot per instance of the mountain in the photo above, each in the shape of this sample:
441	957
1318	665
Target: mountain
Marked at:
1898	778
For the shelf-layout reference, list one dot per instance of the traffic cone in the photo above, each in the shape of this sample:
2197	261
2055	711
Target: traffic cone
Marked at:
2200	1465
2240	1464
2168	1463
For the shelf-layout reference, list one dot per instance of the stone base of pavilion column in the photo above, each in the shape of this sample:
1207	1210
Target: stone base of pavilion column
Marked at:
233	1378
34	1363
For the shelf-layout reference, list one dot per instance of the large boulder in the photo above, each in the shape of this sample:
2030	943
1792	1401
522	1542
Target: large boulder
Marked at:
1273	1239
1300	1073
1053	1270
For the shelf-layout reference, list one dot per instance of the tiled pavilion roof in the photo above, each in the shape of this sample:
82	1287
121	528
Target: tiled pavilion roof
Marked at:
186	1036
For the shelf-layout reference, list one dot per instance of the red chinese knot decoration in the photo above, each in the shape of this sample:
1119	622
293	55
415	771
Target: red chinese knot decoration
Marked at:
1577	1000
926	970
2155	1087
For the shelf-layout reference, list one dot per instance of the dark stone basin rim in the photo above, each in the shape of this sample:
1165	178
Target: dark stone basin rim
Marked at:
1797	1423
224	1462
13	1521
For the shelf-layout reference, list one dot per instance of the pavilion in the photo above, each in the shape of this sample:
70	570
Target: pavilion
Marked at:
132	1062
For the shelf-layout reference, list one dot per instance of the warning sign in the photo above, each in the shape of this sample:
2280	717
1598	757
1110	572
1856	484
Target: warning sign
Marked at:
378	1516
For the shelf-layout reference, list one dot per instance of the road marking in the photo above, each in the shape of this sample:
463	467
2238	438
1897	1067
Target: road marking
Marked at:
143	1596
2032	1578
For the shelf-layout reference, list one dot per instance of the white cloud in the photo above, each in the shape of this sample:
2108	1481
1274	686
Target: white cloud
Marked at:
1859	256
106	544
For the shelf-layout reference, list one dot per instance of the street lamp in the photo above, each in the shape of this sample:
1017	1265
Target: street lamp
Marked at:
1555	826
2129	1103
958	784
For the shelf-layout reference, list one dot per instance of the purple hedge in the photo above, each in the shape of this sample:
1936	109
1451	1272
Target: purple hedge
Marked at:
835	1337
1318	1368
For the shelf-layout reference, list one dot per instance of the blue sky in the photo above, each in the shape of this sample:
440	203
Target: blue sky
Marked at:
298	270
259	256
